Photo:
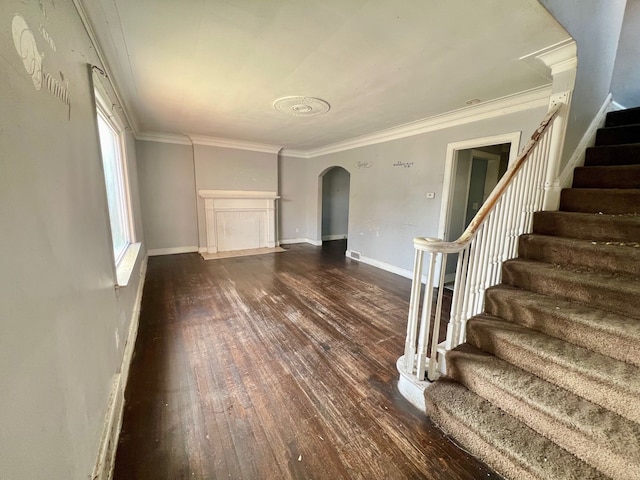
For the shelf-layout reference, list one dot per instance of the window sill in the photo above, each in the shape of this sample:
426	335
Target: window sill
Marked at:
127	264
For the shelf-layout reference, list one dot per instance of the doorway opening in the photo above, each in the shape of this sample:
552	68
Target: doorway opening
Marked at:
473	169
335	209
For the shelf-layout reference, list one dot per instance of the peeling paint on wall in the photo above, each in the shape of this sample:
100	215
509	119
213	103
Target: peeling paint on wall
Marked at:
27	48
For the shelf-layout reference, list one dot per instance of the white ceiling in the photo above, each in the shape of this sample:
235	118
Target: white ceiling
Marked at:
215	67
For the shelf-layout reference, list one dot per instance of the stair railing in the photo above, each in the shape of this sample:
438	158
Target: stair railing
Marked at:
490	239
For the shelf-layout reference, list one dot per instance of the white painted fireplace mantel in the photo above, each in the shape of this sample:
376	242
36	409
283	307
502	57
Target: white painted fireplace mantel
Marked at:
239	219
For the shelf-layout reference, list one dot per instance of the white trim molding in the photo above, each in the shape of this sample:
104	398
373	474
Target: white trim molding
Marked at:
163	137
587	140
251	213
512	138
235	144
154	252
86	23
103	469
411	388
381	265
616	106
290	241
554	59
534	98
339	236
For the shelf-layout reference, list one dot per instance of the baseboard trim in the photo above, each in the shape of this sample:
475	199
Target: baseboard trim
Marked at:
289	241
381	265
411	388
339	236
154	252
587	140
103	469
616	106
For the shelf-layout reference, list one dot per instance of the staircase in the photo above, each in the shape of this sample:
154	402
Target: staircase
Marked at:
547	385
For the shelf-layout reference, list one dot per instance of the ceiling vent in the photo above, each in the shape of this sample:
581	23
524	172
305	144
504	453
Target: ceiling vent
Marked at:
301	106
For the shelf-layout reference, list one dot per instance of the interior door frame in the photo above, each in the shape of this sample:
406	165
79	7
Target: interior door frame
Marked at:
450	169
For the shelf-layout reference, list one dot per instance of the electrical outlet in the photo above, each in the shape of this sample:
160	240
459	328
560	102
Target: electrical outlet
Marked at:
431	195
297	230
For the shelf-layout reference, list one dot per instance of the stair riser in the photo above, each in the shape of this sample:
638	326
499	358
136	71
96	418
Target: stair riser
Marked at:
624	176
629	116
593	227
528	314
607	297
592	450
618	135
606	201
608	258
593	389
613	155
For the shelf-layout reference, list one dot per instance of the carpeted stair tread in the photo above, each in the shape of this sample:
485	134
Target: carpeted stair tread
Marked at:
603	290
610	383
588	226
628	154
611	257
592	433
507	445
609	201
623	134
628	116
614	176
607	333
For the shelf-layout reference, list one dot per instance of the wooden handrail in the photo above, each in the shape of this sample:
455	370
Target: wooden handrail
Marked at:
428	244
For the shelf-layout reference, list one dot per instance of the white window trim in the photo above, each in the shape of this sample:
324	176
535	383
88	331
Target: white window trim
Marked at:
126	261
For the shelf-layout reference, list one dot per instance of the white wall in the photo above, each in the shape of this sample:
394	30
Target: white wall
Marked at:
335	203
219	168
388	205
168	195
625	84
59	311
595	26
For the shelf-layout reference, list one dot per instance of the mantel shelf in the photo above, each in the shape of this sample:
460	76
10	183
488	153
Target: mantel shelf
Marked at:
238	194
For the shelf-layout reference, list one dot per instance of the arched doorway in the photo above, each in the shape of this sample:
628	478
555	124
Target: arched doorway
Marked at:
334	208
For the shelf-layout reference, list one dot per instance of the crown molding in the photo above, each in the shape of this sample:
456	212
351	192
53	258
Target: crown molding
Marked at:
537	97
560	57
86	23
554	59
235	144
292	152
163	137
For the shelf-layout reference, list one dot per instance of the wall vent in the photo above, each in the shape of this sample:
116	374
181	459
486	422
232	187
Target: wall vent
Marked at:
355	255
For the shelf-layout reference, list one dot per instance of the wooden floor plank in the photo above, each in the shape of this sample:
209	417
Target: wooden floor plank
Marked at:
276	366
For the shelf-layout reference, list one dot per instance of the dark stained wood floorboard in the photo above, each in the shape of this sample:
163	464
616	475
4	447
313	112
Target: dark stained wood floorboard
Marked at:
276	366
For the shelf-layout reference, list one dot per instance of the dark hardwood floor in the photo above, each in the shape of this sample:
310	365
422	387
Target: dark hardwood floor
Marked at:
276	366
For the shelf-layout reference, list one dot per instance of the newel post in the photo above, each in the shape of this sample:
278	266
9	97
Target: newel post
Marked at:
562	60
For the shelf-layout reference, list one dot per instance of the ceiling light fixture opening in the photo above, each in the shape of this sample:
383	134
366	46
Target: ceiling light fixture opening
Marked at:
301	106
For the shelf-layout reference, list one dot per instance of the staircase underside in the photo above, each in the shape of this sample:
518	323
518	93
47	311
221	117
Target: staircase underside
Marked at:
547	385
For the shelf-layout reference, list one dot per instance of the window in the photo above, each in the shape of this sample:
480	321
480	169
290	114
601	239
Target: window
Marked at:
115	174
